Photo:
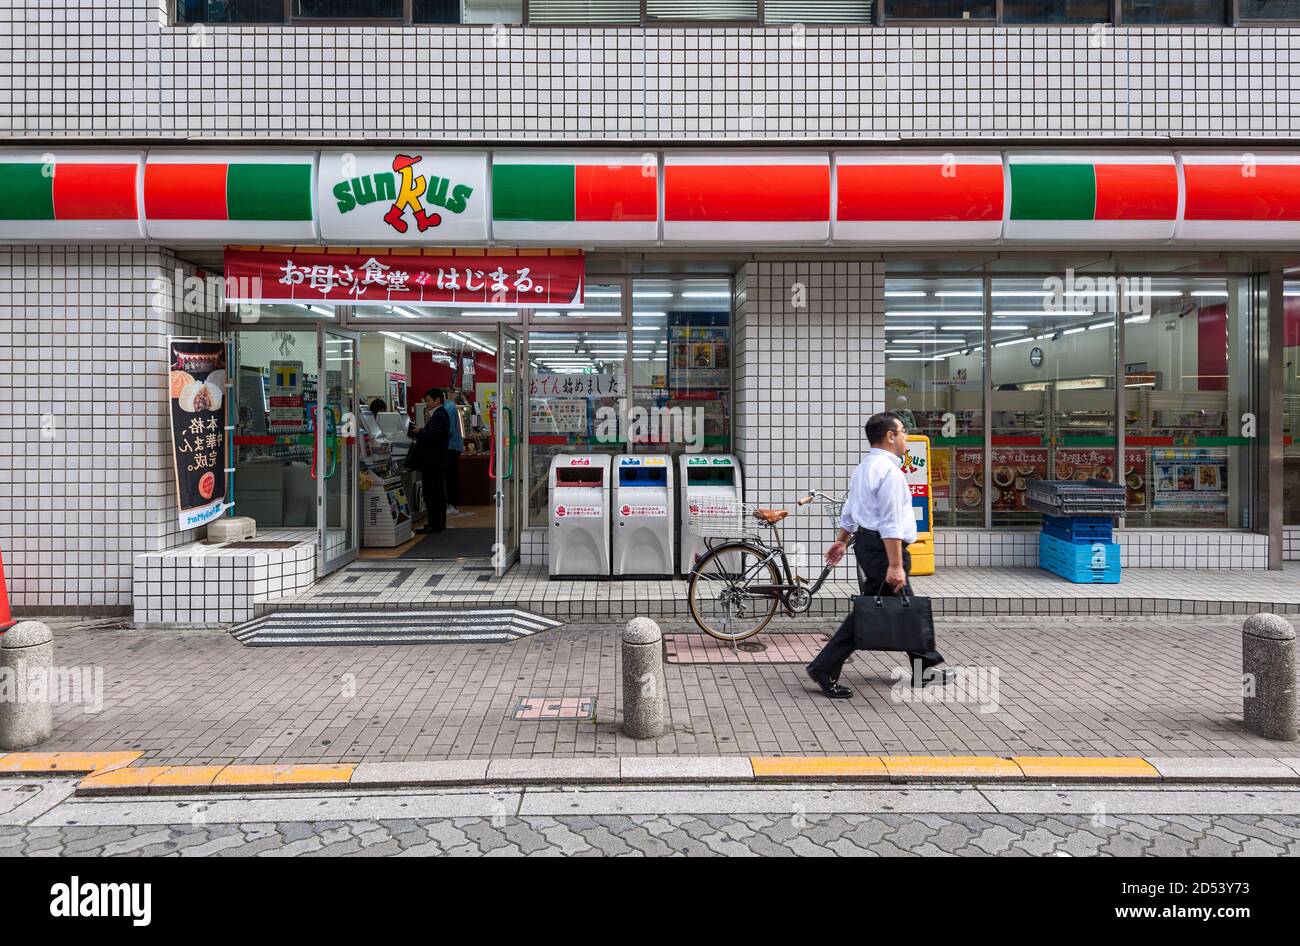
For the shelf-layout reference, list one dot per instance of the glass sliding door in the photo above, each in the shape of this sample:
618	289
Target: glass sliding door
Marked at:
335	439
507	476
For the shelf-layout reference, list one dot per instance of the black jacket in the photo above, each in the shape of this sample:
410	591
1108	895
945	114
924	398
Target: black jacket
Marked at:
431	442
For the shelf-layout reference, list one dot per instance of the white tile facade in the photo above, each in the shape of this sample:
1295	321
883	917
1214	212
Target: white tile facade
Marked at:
87	492
219	584
113	67
86	479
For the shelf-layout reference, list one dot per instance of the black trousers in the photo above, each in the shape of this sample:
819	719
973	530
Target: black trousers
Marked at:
453	478
874	562
435	499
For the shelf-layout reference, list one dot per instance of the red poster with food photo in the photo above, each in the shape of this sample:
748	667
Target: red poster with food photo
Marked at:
1089	463
968	480
1013	467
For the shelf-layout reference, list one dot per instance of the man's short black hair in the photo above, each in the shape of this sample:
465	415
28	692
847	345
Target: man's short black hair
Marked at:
435	393
881	424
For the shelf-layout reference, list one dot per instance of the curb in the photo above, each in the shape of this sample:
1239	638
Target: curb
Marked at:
112	773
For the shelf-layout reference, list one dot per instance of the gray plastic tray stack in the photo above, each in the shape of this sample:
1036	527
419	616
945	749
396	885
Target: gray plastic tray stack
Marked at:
1077	542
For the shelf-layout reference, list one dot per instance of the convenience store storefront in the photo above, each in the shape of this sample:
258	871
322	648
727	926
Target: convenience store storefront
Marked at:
1015	305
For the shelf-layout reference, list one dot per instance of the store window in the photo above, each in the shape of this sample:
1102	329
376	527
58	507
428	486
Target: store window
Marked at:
1270	9
229	11
1063	11
776	12
940	9
277	385
581	12
577	388
1173	11
346	9
505	12
1052	413
414	315
1291	404
681	366
1187	382
934	378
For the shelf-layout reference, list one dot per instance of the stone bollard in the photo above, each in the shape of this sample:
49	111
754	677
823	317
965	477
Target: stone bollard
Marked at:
1268	676
643	679
26	651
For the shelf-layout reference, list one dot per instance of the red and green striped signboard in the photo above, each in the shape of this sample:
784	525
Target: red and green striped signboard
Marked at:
747	197
73	195
917	197
1092	195
1240	196
245	195
575	197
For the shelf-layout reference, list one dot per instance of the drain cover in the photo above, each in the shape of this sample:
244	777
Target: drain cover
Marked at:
305	628
752	647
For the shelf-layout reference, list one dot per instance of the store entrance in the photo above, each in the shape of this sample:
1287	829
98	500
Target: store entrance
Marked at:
396	369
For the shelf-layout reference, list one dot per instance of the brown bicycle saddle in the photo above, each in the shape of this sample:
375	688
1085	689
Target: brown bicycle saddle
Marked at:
771	516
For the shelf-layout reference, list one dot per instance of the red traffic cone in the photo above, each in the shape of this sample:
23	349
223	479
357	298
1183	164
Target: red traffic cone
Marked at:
6	619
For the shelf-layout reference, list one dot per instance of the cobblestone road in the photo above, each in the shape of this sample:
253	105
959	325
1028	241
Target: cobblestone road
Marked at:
770	835
1051	686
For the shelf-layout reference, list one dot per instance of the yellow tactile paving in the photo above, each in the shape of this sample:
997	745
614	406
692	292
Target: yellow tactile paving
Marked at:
65	763
186	777
1083	767
950	766
255	776
853	766
125	780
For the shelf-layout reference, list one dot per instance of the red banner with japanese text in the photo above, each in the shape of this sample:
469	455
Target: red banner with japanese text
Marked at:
261	276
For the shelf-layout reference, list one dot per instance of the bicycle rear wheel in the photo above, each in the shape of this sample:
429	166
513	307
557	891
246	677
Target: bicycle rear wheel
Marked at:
718	597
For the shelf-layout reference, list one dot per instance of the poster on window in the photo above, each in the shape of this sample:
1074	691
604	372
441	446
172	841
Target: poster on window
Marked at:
197	383
286	406
558	416
1190	480
1013	468
1099	464
941	477
576	385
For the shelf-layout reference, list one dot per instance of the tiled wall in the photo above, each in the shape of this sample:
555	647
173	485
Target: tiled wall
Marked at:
112	67
86	477
222	584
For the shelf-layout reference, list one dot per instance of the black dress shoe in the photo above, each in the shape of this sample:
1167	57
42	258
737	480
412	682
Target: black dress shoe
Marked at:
935	676
828	686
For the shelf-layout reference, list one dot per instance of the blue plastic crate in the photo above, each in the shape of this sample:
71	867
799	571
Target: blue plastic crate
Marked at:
1077	561
1079	528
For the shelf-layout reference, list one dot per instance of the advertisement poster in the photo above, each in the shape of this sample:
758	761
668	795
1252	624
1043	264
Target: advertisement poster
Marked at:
287	410
1187	480
557	416
941	477
1013	467
197	380
916	468
1099	464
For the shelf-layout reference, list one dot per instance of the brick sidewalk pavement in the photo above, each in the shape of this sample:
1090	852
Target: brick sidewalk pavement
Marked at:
1066	686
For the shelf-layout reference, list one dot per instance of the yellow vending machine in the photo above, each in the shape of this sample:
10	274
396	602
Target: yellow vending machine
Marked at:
916	467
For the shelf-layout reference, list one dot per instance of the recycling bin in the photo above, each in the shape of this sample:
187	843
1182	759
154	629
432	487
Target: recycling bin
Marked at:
579	516
643	515
710	485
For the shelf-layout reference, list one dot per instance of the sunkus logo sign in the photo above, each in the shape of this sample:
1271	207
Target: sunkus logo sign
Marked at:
411	196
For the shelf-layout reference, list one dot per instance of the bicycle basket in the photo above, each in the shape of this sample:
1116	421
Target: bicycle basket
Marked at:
723	519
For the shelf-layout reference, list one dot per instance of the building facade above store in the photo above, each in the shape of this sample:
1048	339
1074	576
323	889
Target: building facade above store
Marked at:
598	198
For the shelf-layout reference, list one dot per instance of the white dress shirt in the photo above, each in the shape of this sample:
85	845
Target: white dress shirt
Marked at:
880	499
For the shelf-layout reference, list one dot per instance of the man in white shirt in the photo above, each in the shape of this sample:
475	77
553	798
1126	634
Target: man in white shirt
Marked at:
878	517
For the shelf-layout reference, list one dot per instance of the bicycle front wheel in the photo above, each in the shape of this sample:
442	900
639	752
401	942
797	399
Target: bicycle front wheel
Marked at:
719	596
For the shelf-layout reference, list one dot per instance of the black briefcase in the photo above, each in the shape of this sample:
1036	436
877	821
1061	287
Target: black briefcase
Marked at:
885	622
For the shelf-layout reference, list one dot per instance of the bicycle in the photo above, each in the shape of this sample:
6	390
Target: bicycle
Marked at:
736	587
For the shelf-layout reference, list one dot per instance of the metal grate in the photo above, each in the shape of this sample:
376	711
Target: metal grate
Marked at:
694	10
584	11
818	11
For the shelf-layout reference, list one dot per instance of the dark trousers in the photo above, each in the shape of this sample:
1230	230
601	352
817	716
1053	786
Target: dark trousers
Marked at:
435	499
873	561
453	478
